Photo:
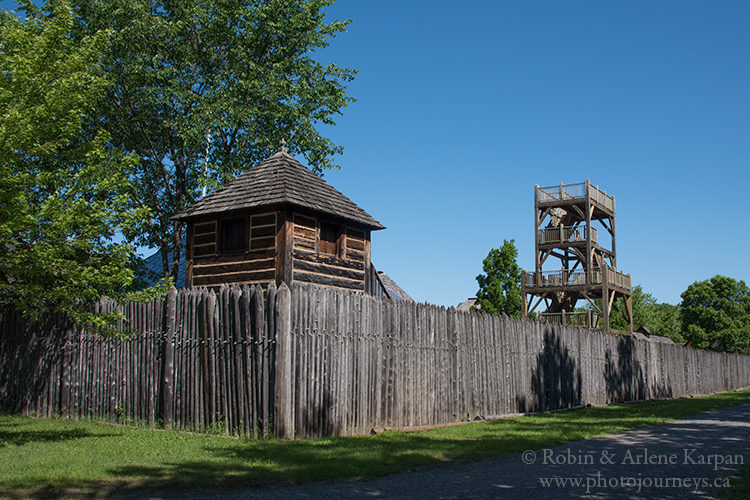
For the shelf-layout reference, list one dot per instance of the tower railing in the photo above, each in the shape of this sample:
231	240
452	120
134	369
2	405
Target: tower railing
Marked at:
562	191
575	191
576	318
565	277
602	198
565	234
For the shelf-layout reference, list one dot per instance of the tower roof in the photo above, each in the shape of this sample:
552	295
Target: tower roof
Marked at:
276	181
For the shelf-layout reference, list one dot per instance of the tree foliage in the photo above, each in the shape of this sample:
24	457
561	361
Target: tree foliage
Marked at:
660	318
63	193
715	314
500	285
202	90
664	320
643	303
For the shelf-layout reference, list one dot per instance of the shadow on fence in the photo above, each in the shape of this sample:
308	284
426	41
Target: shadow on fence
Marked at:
556	381
624	376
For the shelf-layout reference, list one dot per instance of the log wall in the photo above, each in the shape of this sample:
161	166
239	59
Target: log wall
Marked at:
256	264
317	251
329	254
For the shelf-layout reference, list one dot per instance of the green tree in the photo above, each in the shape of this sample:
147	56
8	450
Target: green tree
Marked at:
63	194
665	321
204	89
642	310
715	314
660	319
500	285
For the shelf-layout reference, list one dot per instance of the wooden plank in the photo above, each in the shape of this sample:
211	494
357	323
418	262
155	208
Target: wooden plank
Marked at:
263	231
300	255
204	250
266	219
316	409
263	243
204	239
211	268
205	227
224	360
180	382
339	360
302	233
237	348
234	257
212	316
320	268
66	369
247	350
261	328
302	406
353	243
356	255
241	277
304	243
321	279
304	221
284	244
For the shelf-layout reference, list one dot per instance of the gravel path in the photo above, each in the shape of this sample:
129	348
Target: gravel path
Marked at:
690	458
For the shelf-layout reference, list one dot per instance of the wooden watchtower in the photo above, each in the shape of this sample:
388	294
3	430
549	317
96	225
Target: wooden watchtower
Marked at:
575	225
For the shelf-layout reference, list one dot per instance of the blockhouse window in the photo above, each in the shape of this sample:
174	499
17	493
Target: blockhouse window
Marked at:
355	245
233	236
329	235
305	233
262	231
327	238
204	239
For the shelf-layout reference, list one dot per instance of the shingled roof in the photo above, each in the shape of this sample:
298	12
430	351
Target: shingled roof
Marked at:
276	181
395	291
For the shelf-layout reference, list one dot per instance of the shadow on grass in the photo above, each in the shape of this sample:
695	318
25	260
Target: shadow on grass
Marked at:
19	434
233	465
20	437
278	463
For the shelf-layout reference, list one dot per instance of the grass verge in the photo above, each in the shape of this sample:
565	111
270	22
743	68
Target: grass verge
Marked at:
739	486
44	457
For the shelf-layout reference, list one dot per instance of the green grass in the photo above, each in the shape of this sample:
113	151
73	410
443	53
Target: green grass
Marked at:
739	486
59	457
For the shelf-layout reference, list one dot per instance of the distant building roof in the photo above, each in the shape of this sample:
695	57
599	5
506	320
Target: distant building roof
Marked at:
644	330
154	270
276	181
661	340
395	291
467	304
644	333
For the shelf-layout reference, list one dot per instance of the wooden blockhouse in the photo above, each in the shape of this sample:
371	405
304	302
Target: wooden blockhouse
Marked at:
279	222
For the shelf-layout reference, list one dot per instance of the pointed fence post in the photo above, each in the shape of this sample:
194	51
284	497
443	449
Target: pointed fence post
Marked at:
284	369
168	360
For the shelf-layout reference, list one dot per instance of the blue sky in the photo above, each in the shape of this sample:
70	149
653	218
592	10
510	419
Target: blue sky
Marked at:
462	107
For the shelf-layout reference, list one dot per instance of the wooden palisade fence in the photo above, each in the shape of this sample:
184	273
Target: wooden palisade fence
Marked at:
196	361
318	361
